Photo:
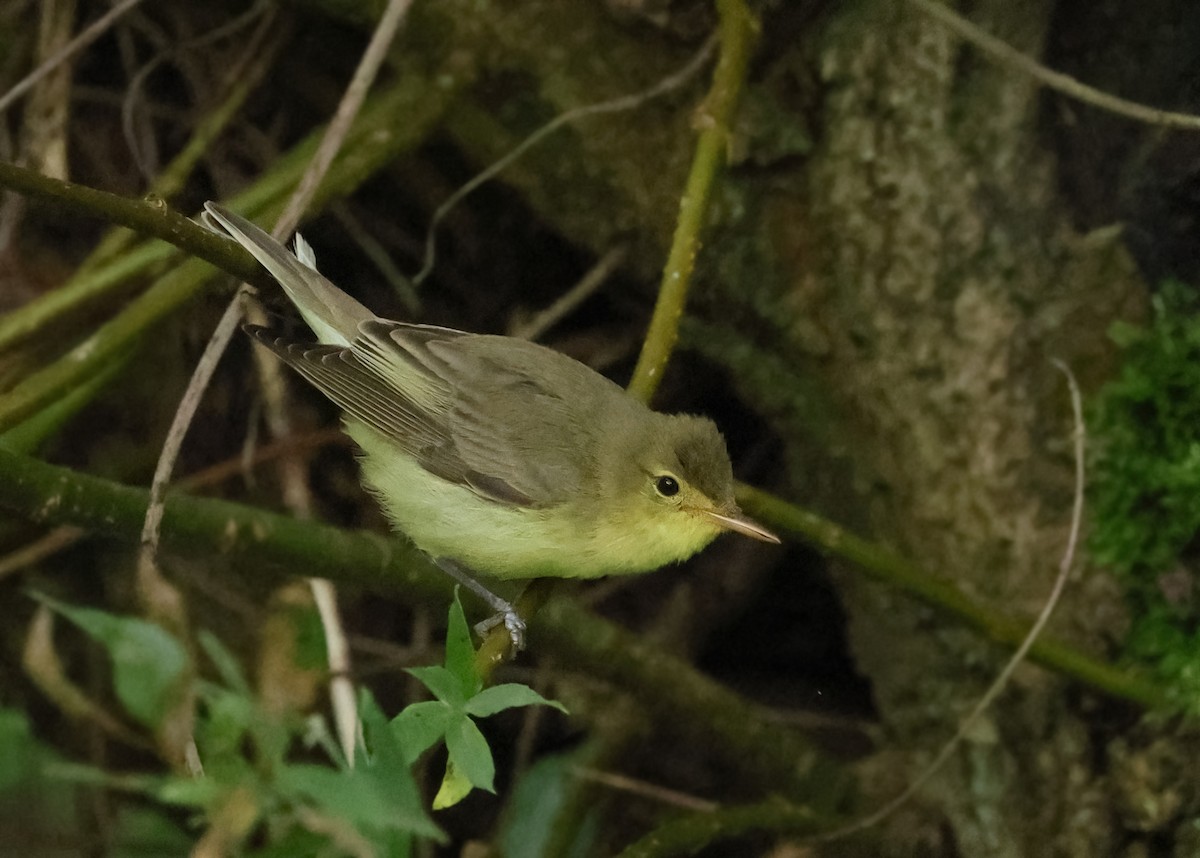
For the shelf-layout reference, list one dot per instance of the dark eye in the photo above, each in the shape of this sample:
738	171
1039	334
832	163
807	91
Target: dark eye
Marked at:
668	487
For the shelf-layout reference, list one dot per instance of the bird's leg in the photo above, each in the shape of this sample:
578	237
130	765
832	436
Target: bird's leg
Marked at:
505	612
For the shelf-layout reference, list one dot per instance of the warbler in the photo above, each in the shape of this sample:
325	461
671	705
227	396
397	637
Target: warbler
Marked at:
498	456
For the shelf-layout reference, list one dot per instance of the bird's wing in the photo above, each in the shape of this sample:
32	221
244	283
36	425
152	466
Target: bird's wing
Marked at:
468	408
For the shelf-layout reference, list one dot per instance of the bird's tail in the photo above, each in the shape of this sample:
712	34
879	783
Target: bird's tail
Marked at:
332	314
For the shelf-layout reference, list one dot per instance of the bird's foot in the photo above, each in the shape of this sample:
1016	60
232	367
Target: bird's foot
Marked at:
512	621
505	612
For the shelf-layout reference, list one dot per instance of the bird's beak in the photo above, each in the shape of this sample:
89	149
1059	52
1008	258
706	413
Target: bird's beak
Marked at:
739	523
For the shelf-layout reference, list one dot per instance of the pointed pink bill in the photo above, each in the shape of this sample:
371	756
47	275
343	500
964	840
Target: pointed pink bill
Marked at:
738	523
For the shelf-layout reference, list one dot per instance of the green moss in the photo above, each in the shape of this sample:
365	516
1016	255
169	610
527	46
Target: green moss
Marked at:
1145	487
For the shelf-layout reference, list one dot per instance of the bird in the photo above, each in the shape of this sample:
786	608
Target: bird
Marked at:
496	456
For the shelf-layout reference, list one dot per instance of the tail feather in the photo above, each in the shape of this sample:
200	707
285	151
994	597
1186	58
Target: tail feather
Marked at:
332	314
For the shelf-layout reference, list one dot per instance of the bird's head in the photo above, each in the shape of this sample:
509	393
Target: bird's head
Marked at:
674	487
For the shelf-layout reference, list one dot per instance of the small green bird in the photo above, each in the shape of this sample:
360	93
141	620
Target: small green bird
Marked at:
499	455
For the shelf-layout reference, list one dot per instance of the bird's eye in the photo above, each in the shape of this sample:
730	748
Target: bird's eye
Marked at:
667	486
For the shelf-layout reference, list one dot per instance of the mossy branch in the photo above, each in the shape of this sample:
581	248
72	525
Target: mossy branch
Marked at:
153	219
243	536
908	576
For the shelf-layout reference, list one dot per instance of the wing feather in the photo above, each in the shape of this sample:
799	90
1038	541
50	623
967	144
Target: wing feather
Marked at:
455	404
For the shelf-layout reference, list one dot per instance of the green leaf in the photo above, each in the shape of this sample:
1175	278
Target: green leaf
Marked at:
148	662
470	754
500	697
445	686
527	823
362	797
389	764
419	726
455	787
460	652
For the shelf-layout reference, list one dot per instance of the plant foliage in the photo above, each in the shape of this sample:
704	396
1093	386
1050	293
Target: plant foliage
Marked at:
1145	486
281	784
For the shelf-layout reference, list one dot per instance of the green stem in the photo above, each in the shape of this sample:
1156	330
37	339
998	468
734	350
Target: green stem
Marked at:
738	28
244	537
900	572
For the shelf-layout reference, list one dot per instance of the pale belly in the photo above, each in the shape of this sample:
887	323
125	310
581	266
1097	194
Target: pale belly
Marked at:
446	520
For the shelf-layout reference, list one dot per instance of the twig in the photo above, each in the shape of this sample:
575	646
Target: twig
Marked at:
534	328
737	32
294	482
662	794
1059	82
347	110
626	102
50	544
379	256
94	31
1001	681
201	375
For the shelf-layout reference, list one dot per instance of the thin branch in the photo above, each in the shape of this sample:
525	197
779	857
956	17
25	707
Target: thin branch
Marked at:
626	102
53	542
635	786
904	574
738	28
94	31
380	257
348	108
1059	82
155	589
565	304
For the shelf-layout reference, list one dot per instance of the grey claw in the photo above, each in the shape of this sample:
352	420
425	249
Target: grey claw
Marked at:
512	622
516	629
